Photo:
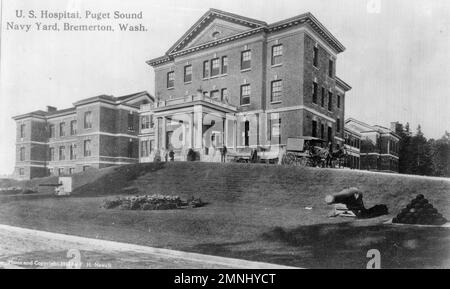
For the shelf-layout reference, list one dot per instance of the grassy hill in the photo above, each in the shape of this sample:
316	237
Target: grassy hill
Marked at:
258	212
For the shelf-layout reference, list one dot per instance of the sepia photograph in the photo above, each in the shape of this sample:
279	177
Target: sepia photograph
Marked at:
260	136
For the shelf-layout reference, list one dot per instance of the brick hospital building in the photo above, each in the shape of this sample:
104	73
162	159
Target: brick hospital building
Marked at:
240	82
96	132
229	80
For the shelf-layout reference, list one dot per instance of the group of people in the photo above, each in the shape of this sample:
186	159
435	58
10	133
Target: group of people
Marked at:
170	154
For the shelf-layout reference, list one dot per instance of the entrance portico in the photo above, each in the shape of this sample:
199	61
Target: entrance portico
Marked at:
198	122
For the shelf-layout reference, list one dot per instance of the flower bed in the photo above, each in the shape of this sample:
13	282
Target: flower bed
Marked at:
152	202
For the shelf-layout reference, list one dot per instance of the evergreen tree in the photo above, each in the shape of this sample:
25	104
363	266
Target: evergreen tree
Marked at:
420	161
404	151
440	155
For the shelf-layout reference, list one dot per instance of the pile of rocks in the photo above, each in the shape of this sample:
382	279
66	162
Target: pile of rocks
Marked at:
420	211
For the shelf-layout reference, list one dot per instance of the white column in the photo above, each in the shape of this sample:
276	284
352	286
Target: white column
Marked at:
198	117
191	131
163	132
156	129
225	132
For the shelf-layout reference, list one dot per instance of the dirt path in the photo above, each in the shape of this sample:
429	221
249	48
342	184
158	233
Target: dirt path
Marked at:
25	248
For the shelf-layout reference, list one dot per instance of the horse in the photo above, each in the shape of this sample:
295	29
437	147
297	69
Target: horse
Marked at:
339	155
319	156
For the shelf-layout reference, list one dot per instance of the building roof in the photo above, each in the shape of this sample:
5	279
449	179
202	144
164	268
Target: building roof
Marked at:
134	96
36	113
126	99
342	84
129	100
252	26
363	127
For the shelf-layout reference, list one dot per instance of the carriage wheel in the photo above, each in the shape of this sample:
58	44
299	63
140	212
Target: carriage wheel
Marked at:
302	162
288	159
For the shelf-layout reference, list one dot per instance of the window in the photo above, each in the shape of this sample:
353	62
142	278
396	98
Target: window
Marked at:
60	171
314	128
245	94
51	153
316	57
246	59
73	151
73	127
330	100
246	133
22	130
224	64
170	79
62	127
275	130
187	73
144	148
88	119
145	122
339	101
338	125
51	129
85	168
205	69
151	121
330	132
215	67
61	153
276	90
151	146
215	94
277	54
22	154
322	131
71	171
130	148
21	171
322	100
205	93
330	67
87	148
314	96
130	121
224	95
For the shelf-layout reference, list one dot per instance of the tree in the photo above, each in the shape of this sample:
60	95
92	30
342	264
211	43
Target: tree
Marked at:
440	155
421	161
405	161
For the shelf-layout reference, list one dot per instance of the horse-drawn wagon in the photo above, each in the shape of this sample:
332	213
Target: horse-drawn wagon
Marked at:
304	151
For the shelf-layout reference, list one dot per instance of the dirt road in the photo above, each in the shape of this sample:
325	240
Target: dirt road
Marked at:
25	248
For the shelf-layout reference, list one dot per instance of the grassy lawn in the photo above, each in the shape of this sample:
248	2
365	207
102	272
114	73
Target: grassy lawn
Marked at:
256	212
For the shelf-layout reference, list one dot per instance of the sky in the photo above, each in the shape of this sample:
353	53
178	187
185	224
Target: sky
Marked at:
396	57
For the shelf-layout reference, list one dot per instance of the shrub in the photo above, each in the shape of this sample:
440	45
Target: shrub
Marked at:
151	202
110	204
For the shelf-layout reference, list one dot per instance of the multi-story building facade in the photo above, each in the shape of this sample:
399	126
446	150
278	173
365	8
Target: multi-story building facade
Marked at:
378	148
240	82
96	132
352	147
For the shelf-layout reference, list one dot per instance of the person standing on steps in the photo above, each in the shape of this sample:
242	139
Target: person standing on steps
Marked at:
224	154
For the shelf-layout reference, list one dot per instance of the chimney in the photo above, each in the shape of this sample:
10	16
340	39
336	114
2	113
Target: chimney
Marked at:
51	108
394	126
